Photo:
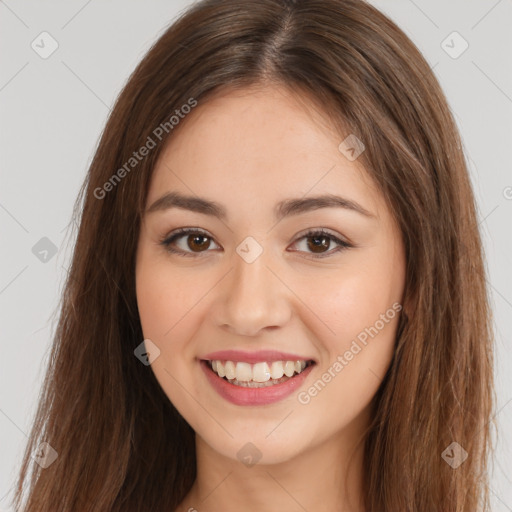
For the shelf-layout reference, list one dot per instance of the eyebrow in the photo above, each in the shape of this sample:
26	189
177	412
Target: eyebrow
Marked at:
283	209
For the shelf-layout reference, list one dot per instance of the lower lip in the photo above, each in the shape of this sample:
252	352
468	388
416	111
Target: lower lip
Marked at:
239	395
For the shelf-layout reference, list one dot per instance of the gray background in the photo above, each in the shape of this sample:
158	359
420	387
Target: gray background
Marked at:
52	114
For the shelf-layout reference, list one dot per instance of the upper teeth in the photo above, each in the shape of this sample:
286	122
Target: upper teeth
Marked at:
259	372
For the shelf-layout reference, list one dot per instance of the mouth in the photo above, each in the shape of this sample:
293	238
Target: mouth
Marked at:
259	383
258	375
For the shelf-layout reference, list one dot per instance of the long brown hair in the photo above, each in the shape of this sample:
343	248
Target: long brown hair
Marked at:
121	444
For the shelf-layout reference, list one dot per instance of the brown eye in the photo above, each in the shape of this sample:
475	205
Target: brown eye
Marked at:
318	243
198	242
187	242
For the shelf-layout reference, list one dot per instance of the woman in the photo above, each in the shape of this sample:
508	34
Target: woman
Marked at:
277	297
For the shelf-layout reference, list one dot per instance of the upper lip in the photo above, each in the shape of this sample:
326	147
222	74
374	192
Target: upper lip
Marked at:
254	357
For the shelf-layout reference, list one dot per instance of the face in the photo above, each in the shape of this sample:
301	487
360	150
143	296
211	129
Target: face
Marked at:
270	278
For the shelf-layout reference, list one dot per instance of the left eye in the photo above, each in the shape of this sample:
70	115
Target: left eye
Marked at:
198	242
317	241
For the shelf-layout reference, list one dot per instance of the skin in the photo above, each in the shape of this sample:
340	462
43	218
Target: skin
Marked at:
248	150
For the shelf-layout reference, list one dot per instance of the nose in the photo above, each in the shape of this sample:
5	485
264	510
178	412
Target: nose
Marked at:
253	298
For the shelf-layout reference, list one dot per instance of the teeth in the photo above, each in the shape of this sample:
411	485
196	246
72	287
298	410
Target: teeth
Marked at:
229	368
276	369
220	369
260	372
245	373
289	368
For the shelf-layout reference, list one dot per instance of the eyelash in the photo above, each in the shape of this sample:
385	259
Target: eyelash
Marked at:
168	240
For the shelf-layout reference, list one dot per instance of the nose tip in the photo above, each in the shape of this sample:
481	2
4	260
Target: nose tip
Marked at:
253	299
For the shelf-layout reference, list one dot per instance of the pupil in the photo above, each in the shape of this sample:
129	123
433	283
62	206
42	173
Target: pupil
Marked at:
201	245
316	244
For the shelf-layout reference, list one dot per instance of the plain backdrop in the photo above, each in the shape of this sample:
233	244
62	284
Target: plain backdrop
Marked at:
53	110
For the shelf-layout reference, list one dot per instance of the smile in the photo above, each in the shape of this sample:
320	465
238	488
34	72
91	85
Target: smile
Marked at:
258	375
257	383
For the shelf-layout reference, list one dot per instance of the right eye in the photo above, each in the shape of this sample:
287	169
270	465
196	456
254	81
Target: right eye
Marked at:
193	238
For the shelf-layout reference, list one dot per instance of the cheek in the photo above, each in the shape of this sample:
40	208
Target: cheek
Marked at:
155	302
171	309
356	358
166	300
353	299
364	323
362	311
166	295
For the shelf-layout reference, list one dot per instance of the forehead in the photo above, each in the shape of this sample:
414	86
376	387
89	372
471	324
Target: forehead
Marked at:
250	147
